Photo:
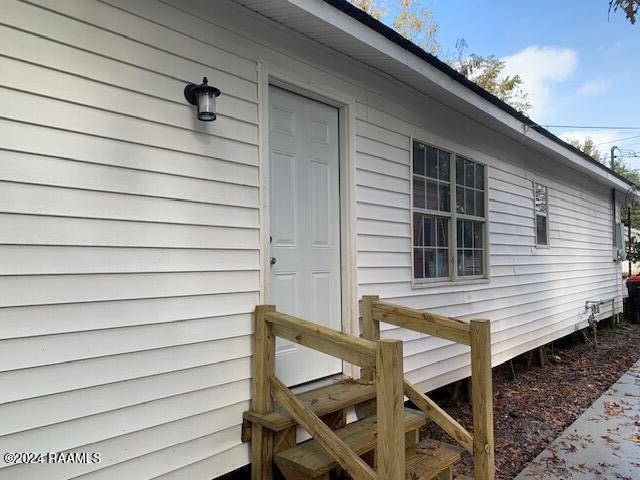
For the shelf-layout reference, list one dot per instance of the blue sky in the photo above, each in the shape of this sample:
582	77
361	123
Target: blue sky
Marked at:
579	67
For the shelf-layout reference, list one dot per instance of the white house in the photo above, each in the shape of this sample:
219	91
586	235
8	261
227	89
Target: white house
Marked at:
136	240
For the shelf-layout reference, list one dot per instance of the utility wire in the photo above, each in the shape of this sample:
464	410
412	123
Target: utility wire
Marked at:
617	140
603	127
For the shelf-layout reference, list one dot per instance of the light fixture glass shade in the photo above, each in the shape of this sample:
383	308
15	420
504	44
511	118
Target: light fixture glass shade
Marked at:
206	106
204	96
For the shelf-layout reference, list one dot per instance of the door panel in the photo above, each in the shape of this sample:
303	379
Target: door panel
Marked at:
305	226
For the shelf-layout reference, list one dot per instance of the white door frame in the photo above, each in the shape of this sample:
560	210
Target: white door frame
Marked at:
271	75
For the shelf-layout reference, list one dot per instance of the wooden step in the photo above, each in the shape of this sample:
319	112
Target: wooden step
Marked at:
429	459
310	459
321	401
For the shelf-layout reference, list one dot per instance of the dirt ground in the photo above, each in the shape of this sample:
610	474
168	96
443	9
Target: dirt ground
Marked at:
531	410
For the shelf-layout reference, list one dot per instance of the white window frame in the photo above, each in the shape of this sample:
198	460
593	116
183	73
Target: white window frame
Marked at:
453	217
545	214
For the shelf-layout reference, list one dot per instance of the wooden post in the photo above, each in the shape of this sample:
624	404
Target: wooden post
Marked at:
264	359
482	400
370	328
390	408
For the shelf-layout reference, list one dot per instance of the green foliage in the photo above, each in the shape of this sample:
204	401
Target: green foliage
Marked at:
487	73
587	147
630	7
620	168
415	23
633	250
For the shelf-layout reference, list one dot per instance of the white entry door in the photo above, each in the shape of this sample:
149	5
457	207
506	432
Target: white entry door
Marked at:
305	226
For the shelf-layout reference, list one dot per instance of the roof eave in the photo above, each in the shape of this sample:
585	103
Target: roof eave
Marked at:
390	43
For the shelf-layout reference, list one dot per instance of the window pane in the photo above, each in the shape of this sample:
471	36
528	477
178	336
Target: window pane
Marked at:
432	195
479	176
479	204
477	235
430	263
465	263
541	198
443	232
429	231
470	247
431	242
444	165
418	239
460	200
459	171
419	200
478	265
445	195
541	230
432	162
468	235
418	263
442	262
469	179
469	201
418	158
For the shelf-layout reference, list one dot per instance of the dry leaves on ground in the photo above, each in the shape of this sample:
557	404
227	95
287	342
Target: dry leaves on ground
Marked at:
532	410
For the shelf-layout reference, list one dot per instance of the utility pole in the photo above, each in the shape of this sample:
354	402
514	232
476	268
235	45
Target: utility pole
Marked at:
613	199
629	235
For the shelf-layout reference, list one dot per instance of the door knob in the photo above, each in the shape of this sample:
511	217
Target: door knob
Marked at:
272	260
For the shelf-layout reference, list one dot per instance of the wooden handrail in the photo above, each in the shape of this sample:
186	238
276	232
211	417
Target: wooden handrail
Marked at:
357	351
429	323
264	358
476	334
438	415
482	400
389	409
347	458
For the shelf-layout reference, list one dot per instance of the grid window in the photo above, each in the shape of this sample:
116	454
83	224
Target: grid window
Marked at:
430	246
541	201
431	185
470	248
469	187
438	253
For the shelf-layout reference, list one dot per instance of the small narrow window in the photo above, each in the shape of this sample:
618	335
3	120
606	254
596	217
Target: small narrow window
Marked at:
542	214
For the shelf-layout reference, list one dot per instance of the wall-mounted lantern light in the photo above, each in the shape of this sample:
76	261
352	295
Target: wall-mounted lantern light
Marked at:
204	97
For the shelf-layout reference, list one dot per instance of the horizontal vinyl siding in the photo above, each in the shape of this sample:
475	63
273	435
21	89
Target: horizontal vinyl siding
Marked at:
534	295
130	256
129	253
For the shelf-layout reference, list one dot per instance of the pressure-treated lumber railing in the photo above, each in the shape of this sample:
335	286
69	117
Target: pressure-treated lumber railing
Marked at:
476	334
384	357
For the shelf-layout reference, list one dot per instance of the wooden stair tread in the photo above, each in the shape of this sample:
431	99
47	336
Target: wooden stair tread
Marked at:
311	459
429	458
321	401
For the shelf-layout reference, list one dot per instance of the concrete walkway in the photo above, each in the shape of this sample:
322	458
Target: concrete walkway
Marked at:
604	442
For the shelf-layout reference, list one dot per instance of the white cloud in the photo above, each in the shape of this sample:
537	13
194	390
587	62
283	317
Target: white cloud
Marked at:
593	87
540	69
